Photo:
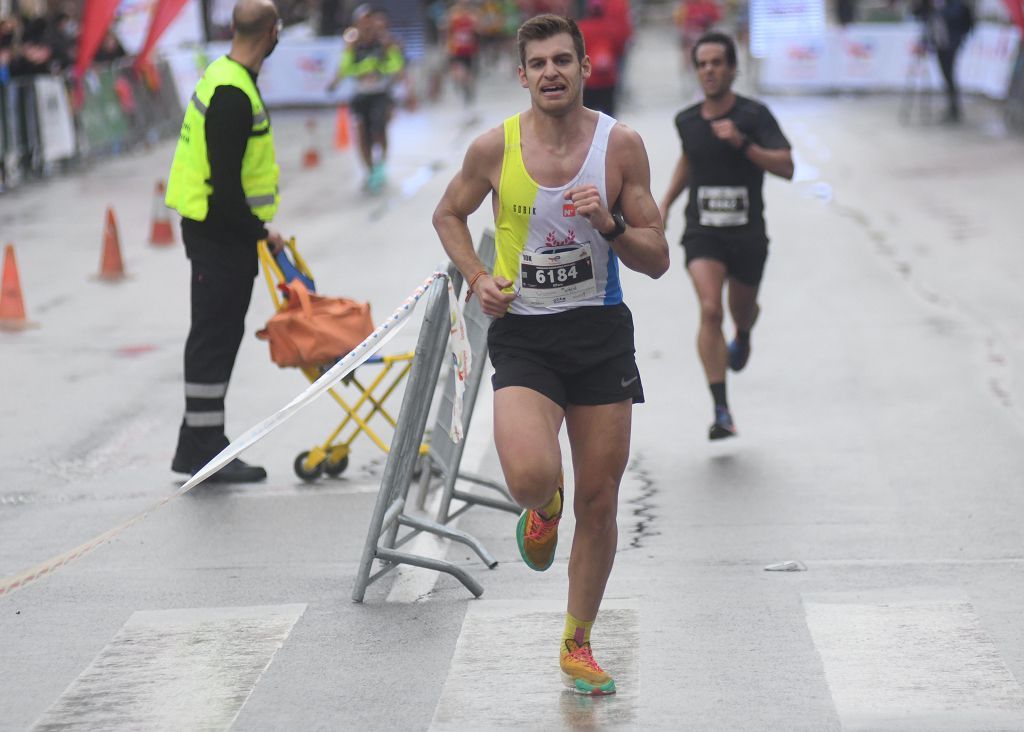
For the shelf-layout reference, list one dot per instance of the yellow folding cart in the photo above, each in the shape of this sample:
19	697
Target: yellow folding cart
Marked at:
367	404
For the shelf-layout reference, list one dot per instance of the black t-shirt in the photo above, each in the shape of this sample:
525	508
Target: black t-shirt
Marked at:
725	186
229	234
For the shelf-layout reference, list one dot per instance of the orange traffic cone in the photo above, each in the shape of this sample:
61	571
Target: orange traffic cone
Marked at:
161	233
311	157
12	307
111	266
342	137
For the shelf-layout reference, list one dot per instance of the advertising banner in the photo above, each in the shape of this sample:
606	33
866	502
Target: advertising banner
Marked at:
296	74
776	22
875	57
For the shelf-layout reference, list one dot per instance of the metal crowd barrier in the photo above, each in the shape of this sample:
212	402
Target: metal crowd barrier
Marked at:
20	144
445	455
121	110
389	515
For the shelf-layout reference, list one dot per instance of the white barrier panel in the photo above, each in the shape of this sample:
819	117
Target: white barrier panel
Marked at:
879	57
56	127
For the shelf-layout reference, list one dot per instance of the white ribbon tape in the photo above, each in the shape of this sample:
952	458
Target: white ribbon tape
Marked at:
462	360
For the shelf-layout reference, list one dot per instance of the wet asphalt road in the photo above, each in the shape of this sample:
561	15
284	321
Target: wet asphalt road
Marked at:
881	426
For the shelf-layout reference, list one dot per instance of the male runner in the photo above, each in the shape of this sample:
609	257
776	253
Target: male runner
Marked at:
375	60
571	198
729	142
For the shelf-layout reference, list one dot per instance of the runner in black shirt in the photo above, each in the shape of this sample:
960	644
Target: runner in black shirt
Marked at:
729	142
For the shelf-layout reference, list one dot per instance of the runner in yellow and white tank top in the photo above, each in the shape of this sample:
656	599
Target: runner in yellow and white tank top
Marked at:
571	194
557	260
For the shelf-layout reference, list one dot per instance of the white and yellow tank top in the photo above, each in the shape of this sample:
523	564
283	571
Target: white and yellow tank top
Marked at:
556	259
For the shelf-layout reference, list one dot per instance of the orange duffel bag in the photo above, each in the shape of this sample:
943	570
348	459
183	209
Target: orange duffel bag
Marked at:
311	329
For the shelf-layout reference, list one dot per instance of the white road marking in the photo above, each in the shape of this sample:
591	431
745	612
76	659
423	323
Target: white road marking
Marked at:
175	669
910	664
504	673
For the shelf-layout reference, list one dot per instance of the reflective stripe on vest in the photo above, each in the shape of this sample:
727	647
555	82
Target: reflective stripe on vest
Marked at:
188	185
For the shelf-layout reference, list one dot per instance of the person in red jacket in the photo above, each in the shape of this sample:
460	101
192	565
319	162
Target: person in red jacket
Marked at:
463	31
605	44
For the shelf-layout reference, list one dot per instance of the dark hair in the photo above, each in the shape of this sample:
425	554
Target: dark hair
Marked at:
548	25
716	37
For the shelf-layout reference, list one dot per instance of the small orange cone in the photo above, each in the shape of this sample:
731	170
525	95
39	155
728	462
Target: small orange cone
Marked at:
161	233
311	157
342	137
12	306
111	266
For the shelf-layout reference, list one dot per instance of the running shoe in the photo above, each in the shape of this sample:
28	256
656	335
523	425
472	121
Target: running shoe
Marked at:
581	673
378	176
723	426
739	352
537	537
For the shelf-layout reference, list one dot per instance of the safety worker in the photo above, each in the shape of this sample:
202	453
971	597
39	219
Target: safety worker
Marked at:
375	60
729	142
223	182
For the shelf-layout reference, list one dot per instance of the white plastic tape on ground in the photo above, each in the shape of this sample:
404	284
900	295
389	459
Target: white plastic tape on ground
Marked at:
356	357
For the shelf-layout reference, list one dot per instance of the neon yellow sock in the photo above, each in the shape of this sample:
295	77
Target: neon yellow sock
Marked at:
576	630
552	507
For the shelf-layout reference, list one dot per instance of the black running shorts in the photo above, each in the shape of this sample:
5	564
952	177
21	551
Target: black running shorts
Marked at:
373	110
583	356
743	256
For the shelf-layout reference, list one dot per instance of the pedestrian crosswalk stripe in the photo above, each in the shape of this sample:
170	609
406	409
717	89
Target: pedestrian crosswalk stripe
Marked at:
895	662
504	673
175	669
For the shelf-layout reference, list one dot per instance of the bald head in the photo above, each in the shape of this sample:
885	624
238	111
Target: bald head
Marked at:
252	19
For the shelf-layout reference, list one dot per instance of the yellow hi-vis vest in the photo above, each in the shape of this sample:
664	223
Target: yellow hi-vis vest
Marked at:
188	185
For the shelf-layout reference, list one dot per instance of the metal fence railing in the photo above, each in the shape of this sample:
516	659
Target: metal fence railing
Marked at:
41	133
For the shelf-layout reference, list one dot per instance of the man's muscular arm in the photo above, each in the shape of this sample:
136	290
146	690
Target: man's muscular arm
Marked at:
642	247
466	191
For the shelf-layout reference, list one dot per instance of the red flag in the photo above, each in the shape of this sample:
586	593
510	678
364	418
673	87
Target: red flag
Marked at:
97	15
1016	8
164	13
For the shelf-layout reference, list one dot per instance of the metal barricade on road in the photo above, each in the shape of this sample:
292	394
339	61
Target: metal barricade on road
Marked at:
444	457
383	540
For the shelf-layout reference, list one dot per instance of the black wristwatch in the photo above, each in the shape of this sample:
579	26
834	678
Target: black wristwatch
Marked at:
747	142
620	227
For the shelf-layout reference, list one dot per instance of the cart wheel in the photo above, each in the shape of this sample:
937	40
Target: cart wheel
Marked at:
303	472
336	469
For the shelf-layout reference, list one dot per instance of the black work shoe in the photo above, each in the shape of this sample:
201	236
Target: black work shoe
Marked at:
723	426
180	465
238	472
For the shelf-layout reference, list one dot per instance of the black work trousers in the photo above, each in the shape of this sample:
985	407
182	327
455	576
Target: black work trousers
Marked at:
220	300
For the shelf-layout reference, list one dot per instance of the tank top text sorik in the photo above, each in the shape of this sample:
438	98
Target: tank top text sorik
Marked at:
556	259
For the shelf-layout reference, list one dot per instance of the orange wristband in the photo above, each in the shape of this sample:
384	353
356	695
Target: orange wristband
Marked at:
477	276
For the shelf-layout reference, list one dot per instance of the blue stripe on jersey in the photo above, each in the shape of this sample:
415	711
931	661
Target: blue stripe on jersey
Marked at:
612	287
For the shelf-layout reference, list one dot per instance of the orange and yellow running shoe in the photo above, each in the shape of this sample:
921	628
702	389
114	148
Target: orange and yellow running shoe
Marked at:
537	537
581	673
